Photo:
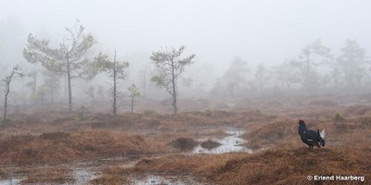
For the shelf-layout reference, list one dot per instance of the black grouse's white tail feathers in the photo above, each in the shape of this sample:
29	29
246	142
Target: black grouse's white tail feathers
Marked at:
323	134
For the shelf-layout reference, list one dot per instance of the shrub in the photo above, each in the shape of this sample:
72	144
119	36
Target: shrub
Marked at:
338	117
257	111
6	121
149	113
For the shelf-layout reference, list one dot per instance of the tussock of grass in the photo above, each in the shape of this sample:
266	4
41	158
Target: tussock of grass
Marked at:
210	144
111	179
271	133
183	143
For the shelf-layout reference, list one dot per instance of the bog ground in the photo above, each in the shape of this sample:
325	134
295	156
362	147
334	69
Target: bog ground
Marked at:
252	146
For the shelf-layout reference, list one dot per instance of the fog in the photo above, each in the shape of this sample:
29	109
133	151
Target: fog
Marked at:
267	32
185	91
215	30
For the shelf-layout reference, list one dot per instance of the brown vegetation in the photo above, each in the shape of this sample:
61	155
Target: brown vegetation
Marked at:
183	143
282	165
111	176
210	144
61	147
49	176
56	138
3	174
284	130
38	123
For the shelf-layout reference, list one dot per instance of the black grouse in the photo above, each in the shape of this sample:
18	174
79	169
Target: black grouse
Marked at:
311	137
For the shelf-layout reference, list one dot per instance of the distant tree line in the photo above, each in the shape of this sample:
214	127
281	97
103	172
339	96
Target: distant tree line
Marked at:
315	68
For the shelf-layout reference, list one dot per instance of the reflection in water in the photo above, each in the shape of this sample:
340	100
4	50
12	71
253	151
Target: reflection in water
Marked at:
10	182
83	176
230	143
162	180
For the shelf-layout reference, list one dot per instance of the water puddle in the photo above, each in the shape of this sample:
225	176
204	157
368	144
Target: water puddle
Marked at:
163	180
230	143
83	176
10	182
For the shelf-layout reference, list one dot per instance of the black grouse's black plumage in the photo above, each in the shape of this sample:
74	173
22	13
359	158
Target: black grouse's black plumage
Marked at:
311	137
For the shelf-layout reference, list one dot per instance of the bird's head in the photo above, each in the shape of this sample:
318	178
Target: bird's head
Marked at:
301	121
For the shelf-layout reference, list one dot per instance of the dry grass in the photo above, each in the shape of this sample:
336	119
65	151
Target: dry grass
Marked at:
3	174
49	176
183	143
218	133
38	123
288	160
173	165
57	138
209	144
282	165
60	147
109	179
352	132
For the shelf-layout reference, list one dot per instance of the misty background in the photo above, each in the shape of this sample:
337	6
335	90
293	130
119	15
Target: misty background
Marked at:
242	48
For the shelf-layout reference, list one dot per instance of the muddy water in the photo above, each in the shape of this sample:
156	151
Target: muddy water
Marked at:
230	143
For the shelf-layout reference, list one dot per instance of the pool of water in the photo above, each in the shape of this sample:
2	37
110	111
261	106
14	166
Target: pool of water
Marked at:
162	180
10	182
230	143
83	176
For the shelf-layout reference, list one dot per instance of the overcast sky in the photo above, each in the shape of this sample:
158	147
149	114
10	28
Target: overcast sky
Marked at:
267	31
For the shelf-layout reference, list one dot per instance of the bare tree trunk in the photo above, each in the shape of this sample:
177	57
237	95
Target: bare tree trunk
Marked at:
23	94
307	72
8	80
69	85
6	104
308	60
132	104
174	88
144	83
93	103
34	85
52	93
114	105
